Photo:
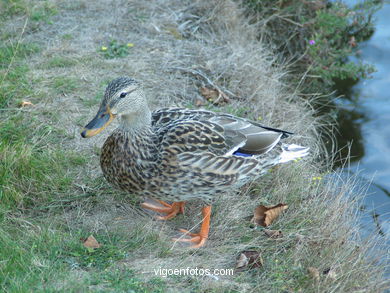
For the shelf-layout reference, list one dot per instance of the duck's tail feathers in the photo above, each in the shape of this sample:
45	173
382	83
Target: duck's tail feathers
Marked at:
292	152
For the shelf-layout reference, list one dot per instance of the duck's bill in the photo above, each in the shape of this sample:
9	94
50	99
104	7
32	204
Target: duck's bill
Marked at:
102	119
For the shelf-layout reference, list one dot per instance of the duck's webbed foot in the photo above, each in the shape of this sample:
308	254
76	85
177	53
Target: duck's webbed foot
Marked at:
170	210
198	238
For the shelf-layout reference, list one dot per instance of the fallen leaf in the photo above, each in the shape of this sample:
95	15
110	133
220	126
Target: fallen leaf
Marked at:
273	233
25	104
242	261
214	96
249	259
91	242
209	94
264	216
314	273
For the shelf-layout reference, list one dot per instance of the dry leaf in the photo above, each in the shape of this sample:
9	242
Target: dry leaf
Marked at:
25	104
273	233
91	242
249	259
214	96
264	216
209	94
314	273
242	261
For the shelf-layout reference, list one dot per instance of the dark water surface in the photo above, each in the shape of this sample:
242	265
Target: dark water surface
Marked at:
365	120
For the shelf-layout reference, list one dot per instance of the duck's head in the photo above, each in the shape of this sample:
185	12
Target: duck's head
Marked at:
123	97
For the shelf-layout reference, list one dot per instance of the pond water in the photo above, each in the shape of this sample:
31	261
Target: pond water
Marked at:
365	121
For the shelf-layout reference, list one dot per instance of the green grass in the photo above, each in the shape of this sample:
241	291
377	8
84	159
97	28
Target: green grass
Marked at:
78	256
115	247
14	83
13	7
18	51
59	61
67	37
64	84
36	11
38	257
124	280
116	50
92	102
31	170
43	12
28	256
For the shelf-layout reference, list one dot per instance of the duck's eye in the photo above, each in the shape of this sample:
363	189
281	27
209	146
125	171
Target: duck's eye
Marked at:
123	95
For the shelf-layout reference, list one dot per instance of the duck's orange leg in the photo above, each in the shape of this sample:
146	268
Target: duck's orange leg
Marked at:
171	210
201	237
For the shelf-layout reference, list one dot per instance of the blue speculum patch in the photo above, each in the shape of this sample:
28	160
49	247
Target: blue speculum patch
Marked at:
237	153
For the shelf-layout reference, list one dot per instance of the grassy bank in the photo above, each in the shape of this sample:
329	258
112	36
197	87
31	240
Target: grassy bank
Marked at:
318	37
59	55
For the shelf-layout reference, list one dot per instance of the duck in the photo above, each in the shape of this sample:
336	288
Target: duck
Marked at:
175	155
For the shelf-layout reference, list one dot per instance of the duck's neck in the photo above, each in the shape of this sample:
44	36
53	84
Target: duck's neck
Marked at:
136	121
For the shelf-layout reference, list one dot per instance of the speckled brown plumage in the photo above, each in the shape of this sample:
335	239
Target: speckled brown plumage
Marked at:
178	157
177	154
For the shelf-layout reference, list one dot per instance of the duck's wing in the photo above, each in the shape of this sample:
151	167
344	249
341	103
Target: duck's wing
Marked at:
198	156
238	134
194	136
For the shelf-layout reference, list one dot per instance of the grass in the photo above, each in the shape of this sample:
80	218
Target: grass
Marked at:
36	11
30	170
64	84
116	50
34	260
90	102
14	81
53	193
59	61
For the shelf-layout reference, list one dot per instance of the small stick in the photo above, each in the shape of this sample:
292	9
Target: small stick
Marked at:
201	74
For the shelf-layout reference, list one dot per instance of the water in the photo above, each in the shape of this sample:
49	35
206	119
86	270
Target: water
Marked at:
365	120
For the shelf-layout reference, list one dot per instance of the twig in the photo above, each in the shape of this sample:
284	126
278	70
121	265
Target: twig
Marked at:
201	74
289	20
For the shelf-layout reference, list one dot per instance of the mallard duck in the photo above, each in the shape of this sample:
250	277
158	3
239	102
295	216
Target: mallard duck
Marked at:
176	154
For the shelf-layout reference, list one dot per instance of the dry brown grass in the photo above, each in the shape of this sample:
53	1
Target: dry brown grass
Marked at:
172	40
